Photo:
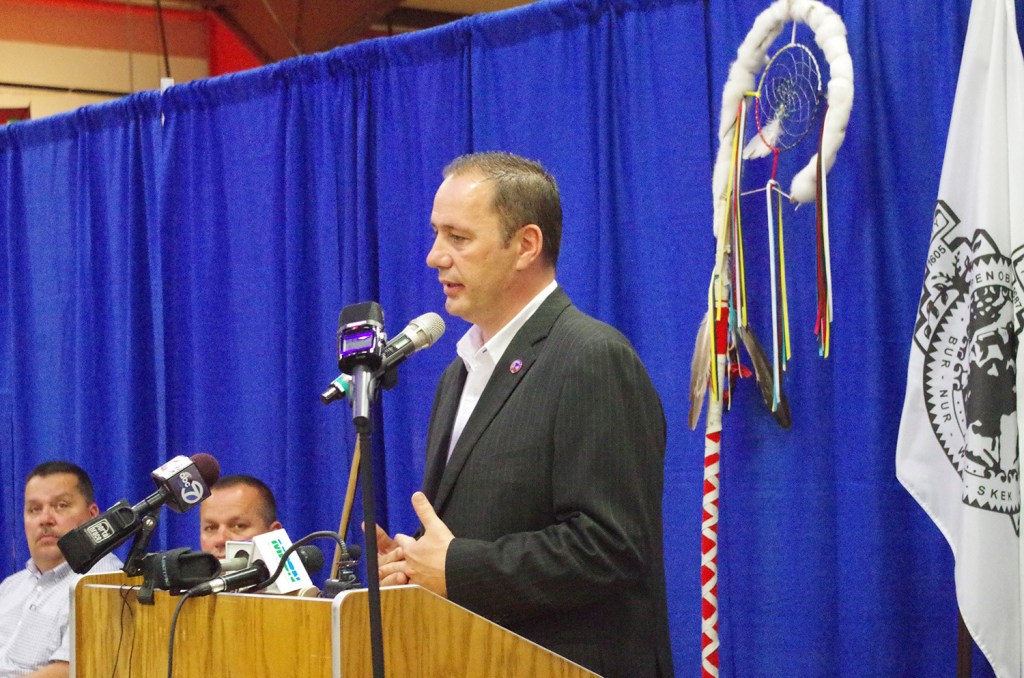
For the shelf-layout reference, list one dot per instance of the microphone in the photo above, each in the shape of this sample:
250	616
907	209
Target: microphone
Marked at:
232	564
181	483
361	340
338	389
236	551
312	560
346	579
176	570
420	333
232	581
361	336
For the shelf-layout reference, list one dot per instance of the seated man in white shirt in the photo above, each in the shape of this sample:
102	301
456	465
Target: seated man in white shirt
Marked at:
239	508
34	602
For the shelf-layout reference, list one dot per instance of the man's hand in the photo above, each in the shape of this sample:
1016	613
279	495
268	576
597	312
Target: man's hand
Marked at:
388	553
420	561
53	670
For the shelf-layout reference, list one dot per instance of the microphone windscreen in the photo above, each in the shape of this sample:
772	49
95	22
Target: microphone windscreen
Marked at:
312	558
432	327
354	551
208	467
367	311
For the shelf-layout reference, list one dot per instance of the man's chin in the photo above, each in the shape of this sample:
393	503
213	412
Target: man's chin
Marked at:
454	308
47	554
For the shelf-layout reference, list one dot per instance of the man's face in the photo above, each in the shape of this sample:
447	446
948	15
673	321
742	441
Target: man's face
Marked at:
231	514
474	266
53	507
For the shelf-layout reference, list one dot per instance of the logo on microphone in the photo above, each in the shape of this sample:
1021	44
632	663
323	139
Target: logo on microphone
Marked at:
289	567
191	490
99	532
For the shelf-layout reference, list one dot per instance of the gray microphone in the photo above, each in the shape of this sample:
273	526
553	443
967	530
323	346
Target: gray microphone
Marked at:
419	333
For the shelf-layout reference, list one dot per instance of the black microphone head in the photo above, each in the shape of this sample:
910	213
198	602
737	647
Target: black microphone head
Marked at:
312	558
354	551
179	569
361	337
208	467
86	544
368	311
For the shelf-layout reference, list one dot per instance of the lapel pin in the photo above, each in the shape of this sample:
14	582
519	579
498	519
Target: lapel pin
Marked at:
516	365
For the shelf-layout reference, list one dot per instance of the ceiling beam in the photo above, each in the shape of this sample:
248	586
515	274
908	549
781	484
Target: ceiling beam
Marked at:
279	29
408	18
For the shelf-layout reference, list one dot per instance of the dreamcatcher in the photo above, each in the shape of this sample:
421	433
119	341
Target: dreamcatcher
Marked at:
787	104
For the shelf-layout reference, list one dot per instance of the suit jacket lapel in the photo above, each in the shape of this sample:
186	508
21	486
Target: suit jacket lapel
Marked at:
442	423
524	347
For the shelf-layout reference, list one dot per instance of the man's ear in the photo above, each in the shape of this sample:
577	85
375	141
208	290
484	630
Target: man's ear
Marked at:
531	244
94	510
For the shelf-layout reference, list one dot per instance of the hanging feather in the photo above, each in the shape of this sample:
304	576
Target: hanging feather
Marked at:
763	143
700	371
763	373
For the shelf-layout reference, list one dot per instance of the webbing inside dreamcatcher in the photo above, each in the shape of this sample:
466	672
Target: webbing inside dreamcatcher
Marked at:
786	107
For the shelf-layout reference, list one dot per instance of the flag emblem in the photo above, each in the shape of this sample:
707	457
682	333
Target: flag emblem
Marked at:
965	331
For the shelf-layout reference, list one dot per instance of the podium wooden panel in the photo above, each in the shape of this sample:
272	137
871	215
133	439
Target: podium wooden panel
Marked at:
427	636
264	636
224	635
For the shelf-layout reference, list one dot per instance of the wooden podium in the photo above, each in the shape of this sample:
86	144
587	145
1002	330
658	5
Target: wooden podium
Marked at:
266	636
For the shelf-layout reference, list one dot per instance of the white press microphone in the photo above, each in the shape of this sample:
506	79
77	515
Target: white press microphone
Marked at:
265	552
268	548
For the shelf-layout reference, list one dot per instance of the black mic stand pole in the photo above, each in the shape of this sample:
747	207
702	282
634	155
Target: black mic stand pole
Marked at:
365	386
133	561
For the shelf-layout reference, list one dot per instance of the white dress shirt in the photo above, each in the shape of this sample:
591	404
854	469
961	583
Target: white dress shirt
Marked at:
480	359
34	616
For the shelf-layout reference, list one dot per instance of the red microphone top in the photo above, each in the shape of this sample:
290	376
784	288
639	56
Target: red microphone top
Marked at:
208	467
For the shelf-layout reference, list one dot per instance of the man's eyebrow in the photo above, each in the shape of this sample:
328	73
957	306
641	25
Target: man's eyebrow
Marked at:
59	497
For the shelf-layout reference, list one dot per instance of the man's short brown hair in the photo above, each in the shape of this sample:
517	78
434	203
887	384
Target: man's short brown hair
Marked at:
524	193
268	507
49	468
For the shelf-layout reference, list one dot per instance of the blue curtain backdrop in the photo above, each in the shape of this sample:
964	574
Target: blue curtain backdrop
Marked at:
173	267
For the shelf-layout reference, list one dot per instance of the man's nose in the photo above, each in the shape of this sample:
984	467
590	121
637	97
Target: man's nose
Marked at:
437	257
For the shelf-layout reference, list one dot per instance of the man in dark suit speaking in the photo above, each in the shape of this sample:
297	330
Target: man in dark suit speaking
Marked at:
541	502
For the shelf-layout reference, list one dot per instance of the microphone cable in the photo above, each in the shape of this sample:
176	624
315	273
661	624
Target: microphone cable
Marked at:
174	624
321	534
123	592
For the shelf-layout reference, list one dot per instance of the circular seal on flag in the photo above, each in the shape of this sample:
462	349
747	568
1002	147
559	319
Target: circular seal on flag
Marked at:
965	328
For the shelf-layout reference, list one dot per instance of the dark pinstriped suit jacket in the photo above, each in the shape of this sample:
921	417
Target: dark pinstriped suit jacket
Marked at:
553	493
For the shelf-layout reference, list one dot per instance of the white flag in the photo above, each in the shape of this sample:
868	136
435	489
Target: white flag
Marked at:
957	452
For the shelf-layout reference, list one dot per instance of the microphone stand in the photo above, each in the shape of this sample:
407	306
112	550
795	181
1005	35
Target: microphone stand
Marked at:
133	562
363	391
